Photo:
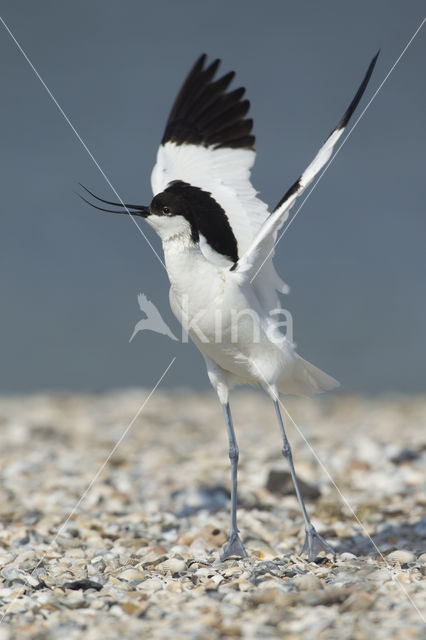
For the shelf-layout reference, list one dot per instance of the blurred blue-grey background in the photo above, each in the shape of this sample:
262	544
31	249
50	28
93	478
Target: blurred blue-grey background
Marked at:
355	255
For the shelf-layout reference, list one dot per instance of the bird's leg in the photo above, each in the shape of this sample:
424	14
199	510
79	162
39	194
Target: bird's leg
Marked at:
234	546
314	543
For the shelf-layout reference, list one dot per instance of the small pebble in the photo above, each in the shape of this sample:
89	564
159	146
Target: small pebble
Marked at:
141	555
151	585
358	601
402	556
175	565
347	556
307	582
13	574
132	575
133	608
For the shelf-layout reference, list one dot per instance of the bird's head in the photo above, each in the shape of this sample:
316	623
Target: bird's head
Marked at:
169	214
184	211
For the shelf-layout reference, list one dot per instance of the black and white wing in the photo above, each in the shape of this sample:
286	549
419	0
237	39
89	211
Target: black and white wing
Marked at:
260	250
208	144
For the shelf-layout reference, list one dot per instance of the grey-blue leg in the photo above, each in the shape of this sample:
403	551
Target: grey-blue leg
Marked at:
234	546
314	543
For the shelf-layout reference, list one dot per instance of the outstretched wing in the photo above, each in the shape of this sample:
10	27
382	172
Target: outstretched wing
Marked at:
261	249
208	143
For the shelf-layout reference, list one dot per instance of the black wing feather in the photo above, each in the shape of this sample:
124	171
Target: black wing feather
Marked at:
341	125
205	114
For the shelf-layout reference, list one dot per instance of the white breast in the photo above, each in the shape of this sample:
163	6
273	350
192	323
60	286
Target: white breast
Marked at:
224	320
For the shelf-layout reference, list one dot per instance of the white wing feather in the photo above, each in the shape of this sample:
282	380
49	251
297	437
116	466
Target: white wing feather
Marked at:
258	256
208	144
225	173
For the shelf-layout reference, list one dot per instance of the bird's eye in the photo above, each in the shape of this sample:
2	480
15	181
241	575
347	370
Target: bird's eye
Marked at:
166	210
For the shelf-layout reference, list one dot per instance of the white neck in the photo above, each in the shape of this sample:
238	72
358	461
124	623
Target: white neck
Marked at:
187	268
183	259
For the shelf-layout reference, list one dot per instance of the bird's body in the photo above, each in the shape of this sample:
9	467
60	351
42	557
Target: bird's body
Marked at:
218	239
229	325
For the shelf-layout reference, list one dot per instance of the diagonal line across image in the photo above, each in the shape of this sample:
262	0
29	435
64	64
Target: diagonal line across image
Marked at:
410	41
95	477
342	496
78	136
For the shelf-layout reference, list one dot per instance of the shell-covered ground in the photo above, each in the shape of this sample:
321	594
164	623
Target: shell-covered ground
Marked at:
115	506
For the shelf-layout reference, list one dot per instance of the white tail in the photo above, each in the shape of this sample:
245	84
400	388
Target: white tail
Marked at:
305	379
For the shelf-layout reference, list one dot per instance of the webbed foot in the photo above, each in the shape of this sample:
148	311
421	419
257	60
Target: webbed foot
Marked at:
314	543
234	547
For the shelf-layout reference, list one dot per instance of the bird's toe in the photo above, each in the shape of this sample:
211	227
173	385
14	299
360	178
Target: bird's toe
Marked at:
234	548
314	544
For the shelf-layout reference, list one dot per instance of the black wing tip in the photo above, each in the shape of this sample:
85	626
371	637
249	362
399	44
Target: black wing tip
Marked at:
213	65
353	105
291	191
342	124
199	63
204	109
